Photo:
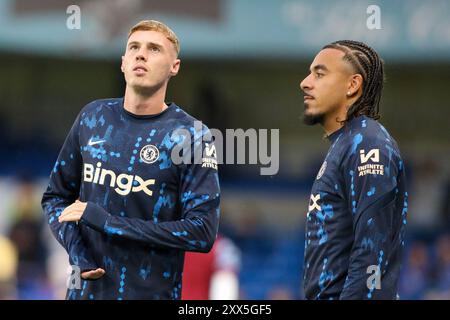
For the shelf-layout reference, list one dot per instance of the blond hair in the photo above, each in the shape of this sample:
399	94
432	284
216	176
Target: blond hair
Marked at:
153	25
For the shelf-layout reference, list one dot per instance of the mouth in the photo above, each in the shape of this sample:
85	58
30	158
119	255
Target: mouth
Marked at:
308	97
140	69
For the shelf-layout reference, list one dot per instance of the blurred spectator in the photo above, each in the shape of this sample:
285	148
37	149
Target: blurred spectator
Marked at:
427	194
446	204
26	234
58	268
441	287
414	278
8	269
214	275
280	293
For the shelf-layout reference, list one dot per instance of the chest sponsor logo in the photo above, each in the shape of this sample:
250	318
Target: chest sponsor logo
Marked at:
314	203
370	168
123	183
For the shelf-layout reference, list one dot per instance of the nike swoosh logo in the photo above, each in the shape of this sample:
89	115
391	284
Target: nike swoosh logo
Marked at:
92	143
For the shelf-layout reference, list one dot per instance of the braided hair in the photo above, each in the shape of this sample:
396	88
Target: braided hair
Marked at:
368	63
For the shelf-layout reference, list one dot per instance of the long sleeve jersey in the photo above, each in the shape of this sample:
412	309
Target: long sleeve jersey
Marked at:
356	216
144	210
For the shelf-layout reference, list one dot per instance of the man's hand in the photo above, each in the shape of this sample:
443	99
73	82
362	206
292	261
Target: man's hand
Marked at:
93	274
74	212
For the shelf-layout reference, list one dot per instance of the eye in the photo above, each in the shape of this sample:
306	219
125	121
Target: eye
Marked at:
154	49
133	47
319	75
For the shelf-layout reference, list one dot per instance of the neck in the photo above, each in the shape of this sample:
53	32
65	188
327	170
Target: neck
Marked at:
332	122
143	103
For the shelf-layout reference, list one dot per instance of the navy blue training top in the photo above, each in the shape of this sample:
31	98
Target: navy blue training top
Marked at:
143	209
356	216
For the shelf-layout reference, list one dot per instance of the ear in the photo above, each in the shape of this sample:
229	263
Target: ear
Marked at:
122	66
355	84
175	67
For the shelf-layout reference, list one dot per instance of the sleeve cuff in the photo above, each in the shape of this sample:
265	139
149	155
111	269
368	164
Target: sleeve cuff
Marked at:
87	266
95	216
84	261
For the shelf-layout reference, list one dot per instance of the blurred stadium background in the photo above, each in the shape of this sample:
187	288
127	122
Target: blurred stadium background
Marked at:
242	62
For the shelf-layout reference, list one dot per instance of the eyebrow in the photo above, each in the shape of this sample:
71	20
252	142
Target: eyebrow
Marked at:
148	44
319	67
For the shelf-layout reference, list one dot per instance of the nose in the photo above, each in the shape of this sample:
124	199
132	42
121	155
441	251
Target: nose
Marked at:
141	55
306	83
